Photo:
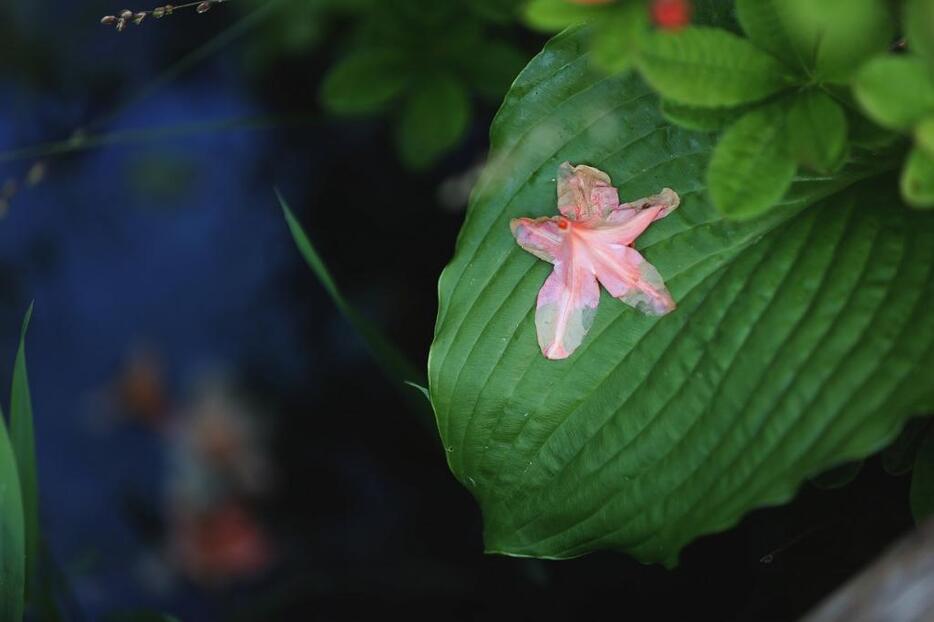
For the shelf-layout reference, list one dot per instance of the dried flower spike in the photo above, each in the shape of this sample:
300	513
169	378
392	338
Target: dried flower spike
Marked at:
204	7
125	16
107	20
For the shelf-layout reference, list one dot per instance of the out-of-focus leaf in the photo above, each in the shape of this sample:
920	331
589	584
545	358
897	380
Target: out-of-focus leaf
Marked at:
816	131
838	476
140	616
492	66
899	457
392	361
919	27
365	81
497	11
22	436
835	37
802	339
924	134
621	33
895	91
12	534
751	168
433	120
765	22
701	66
700	119
921	494
554	15
917	181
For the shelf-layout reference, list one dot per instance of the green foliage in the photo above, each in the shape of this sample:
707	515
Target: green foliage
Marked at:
919	27
802	339
710	67
24	445
421	61
555	15
699	119
816	131
425	132
917	182
922	480
751	167
365	81
899	457
838	476
895	91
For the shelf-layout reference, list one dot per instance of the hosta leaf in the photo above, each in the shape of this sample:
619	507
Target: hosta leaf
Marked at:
803	338
12	534
816	131
896	91
24	445
702	66
751	167
918	179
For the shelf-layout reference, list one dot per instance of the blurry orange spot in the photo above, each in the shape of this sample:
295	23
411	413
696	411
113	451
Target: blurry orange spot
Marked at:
562	223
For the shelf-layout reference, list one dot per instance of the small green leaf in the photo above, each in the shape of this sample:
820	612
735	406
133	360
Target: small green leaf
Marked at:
491	67
838	476
899	457
702	66
924	134
699	119
365	81
434	120
917	181
895	91
12	534
22	436
816	131
617	40
765	22
919	27
750	168
835	37
555	15
921	494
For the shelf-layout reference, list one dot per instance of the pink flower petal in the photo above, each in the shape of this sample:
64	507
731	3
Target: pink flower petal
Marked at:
567	304
585	192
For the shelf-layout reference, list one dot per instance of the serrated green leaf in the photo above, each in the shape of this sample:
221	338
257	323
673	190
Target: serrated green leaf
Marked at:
433	120
700	119
620	35
765	22
554	15
919	27
924	134
816	131
895	91
751	168
22	436
365	81
838	476
899	457
394	364
12	534
917	181
802	339
835	37
701	66
921	494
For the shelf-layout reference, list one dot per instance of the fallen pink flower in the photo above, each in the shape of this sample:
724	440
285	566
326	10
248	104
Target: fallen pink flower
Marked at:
591	241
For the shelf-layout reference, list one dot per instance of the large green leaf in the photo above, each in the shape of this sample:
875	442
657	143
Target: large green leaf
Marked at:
24	445
803	338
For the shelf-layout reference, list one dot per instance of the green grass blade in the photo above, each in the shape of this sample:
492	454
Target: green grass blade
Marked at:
12	534
393	363
22	437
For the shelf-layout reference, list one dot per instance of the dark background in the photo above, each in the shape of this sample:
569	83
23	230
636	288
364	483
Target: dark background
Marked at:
164	256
